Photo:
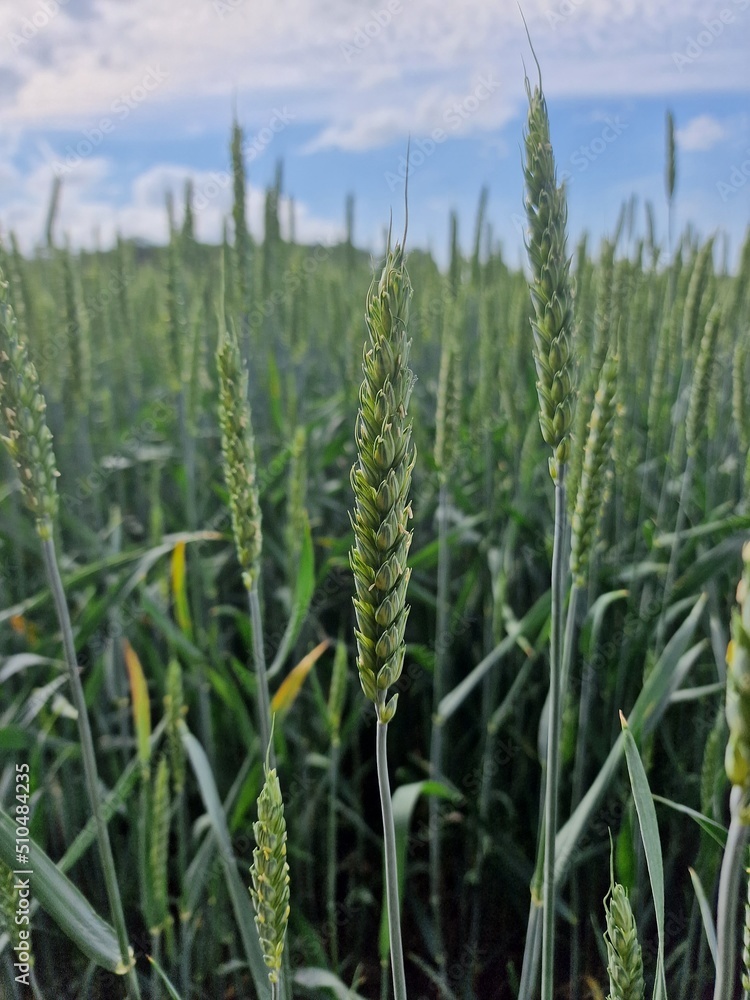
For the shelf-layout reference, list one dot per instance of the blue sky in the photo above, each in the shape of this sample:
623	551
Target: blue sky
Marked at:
127	99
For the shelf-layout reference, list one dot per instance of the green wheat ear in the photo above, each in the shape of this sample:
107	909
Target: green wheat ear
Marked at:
550	287
380	479
29	439
591	490
624	956
737	758
270	873
175	710
238	453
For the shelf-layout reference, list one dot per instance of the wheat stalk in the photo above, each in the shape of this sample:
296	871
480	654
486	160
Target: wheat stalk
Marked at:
380	480
238	462
29	442
546	212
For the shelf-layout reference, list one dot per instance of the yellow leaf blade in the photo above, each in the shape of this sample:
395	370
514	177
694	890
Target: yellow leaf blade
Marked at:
291	686
179	589
141	703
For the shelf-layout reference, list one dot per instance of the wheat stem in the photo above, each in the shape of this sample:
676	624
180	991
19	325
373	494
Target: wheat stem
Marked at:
436	742
729	890
261	676
391	866
89	762
553	740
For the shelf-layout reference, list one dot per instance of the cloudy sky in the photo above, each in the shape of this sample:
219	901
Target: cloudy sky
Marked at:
126	98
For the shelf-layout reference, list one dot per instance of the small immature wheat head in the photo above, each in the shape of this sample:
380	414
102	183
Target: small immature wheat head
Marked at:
176	710
270	874
29	440
595	457
691	311
624	958
159	847
241	236
671	172
238	452
296	498
737	757
701	387
740	392
546	211
450	388
380	479
177	326
78	381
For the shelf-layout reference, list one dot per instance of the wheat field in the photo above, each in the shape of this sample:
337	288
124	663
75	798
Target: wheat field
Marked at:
271	501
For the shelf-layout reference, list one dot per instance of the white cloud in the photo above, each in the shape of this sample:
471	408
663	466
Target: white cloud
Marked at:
350	82
335	63
700	134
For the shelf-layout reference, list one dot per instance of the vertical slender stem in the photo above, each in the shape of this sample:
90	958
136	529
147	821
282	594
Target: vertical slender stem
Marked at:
553	742
89	762
332	866
259	656
186	948
729	891
532	948
156	993
567	660
436	743
391	866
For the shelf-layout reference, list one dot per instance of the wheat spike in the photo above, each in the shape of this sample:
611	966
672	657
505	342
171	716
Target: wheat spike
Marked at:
546	211
591	489
737	757
270	874
380	480
238	452
624	957
29	440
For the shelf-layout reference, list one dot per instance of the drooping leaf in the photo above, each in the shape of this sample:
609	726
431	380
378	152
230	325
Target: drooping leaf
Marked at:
141	704
291	686
179	589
